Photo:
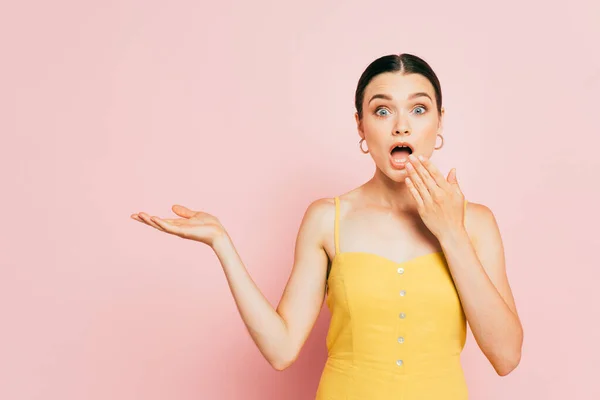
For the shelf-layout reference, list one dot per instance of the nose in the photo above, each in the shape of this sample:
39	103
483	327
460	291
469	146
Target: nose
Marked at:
402	127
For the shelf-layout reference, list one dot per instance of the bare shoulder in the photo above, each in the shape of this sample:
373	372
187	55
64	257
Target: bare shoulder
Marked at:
481	224
321	209
478	209
319	217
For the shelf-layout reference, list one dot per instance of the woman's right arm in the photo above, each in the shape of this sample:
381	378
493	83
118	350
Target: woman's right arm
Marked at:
278	333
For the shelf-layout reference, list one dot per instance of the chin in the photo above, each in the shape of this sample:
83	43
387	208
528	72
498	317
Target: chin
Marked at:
396	175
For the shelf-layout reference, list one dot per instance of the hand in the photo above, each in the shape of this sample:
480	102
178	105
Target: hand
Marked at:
194	225
440	202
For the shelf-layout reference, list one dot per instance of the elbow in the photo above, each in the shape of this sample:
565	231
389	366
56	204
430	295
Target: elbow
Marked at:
508	364
284	354
280	366
511	359
283	364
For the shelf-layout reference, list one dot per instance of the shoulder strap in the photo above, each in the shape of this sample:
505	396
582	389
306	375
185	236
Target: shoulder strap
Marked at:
336	228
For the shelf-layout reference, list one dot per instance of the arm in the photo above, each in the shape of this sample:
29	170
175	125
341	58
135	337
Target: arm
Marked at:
479	273
280	333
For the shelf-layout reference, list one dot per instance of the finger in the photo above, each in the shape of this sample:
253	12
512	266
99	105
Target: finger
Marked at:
430	183
137	218
415	193
149	221
173	221
433	171
183	211
453	180
168	226
452	176
418	183
140	219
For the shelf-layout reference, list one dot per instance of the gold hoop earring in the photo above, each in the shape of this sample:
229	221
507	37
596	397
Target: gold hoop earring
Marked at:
361	147
442	145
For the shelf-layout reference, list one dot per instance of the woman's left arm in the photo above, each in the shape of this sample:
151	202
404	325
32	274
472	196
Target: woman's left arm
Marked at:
479	274
477	267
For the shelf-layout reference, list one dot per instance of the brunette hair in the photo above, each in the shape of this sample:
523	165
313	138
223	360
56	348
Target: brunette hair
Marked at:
405	63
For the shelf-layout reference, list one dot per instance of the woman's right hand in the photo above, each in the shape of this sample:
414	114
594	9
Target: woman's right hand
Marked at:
193	225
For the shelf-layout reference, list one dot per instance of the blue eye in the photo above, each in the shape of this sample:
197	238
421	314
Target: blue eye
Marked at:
421	107
381	109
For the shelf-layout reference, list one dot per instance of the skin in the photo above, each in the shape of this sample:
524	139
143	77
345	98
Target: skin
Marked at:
416	211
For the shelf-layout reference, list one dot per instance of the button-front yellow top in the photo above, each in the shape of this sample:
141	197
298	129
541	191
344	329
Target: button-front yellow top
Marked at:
396	331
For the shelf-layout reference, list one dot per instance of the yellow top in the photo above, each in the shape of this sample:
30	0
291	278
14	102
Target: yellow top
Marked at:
396	331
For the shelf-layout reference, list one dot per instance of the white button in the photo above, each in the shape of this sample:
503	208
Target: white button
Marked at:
402	315
400	339
399	363
402	292
400	270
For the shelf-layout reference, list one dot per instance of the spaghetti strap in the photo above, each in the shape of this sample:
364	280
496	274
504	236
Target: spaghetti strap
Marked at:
336	227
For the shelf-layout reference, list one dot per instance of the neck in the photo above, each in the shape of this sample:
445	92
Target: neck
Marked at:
388	193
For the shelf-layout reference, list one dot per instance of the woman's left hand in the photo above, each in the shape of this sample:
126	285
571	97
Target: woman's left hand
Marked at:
440	202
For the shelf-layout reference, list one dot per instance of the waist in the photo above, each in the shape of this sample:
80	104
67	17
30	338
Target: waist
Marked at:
416	378
430	365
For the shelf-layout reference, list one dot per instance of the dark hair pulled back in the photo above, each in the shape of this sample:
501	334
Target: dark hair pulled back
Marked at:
405	63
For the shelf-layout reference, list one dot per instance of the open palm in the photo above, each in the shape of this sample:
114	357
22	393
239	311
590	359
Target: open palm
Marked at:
193	225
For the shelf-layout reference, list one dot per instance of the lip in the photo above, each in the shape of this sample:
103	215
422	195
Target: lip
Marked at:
397	165
400	165
402	144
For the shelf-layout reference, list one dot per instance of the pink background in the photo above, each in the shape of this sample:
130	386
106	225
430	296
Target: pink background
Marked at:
245	110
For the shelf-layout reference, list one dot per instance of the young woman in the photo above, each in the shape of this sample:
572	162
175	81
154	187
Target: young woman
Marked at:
403	261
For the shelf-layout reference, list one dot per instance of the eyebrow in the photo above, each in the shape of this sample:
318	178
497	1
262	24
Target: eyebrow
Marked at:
388	97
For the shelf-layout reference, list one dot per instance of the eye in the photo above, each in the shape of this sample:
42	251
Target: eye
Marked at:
377	112
422	108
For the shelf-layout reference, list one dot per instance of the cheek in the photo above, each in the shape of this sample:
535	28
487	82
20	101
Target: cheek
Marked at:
429	122
378	133
427	130
374	124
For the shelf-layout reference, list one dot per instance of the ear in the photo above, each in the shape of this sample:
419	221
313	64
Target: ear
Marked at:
359	125
441	122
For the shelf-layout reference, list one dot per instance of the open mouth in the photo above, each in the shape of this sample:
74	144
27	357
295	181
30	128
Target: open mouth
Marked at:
401	151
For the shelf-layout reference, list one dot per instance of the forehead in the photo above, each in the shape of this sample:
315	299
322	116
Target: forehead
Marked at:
398	85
